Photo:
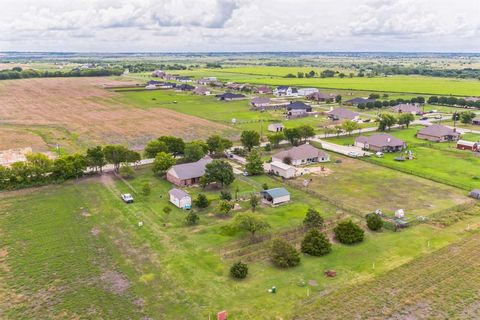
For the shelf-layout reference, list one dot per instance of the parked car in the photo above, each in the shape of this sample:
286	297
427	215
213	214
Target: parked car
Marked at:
379	154
353	154
127	197
424	118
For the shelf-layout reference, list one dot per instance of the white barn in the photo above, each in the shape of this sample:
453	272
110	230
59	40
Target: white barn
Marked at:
180	198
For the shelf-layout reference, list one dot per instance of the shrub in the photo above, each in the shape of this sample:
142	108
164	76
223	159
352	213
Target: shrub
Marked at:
225	195
265	186
313	219
167	210
283	254
225	206
374	222
239	270
348	232
316	243
202	201
146	189
191	218
126	172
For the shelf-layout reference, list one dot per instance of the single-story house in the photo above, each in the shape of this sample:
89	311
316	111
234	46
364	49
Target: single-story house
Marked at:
158	73
180	198
301	155
228	96
321	97
184	79
282	169
476	121
187	174
276	195
285	91
263	90
298	105
468	145
154	82
275	127
185	87
380	142
207	81
357	101
475	193
407	108
233	86
438	133
342	114
202	91
297	113
260	102
168	85
306	91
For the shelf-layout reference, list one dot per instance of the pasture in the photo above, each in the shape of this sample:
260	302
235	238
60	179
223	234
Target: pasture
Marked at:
61	244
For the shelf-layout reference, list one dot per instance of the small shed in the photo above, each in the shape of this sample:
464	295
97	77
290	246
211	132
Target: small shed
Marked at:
283	170
180	198
275	127
276	195
467	145
475	193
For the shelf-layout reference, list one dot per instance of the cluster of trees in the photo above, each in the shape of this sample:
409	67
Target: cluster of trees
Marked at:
146	67
405	70
388	103
295	135
19	73
453	101
323	74
41	170
387	121
465	117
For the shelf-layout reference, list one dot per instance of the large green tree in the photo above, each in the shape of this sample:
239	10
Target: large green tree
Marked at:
175	145
154	147
250	139
405	119
95	158
275	139
218	171
251	223
217	145
254	164
163	162
316	243
194	151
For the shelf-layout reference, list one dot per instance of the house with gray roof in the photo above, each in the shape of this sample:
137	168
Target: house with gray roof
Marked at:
301	155
228	96
380	142
202	91
320	97
342	114
357	101
412	108
285	91
438	133
298	105
260	102
187	174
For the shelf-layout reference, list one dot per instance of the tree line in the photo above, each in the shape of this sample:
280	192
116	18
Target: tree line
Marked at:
19	73
453	101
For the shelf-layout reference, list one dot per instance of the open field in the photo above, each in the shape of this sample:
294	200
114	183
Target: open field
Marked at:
76	250
409	84
437	161
89	114
441	285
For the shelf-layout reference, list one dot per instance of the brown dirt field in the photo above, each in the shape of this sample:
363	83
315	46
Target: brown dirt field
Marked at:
17	138
94	115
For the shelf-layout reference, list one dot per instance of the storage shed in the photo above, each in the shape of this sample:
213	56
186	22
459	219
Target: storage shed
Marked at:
180	198
276	195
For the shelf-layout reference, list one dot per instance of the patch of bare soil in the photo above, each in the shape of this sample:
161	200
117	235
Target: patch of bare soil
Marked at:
12	138
115	282
95	115
95	232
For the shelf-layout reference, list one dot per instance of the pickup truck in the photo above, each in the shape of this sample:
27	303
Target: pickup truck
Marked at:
127	198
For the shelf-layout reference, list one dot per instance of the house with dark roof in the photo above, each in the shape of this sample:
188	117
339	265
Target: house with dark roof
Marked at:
412	108
187	174
357	101
380	142
301	155
180	199
438	133
342	114
298	105
184	79
185	87
229	96
260	102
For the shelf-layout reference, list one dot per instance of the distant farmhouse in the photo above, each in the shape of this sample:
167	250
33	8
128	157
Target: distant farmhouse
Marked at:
407	108
380	142
228	96
188	174
438	133
342	114
301	155
357	101
298	105
264	90
285	91
320	97
302	92
275	127
185	87
158	74
202	91
260	102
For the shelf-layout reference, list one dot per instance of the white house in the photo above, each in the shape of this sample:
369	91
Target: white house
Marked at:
276	195
306	91
275	127
283	170
285	91
180	198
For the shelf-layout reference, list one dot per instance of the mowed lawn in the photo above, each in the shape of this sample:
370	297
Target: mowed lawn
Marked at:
437	161
410	84
76	251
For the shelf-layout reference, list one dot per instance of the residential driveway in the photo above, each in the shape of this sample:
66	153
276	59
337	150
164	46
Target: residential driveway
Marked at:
341	149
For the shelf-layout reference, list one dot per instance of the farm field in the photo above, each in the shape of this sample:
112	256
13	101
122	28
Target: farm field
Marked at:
437	161
83	239
77	113
406	84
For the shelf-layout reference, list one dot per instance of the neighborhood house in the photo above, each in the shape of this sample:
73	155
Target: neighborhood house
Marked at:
438	133
275	127
319	97
202	91
285	91
380	142
306	91
357	101
407	108
298	105
276	195
188	174
283	170
263	90
180	198
301	155
228	96
476	121
260	102
342	114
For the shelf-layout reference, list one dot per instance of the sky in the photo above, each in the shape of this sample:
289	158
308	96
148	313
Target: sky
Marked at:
240	25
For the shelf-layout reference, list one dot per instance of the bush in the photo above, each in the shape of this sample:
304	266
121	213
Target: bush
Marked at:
167	210
191	218
126	172
313	219
239	270
316	243
146	189
225	195
374	222
348	232
283	254
202	201
265	186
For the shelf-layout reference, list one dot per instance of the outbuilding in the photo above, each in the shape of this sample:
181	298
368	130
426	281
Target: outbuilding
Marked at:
467	145
475	193
180	198
276	195
275	127
283	170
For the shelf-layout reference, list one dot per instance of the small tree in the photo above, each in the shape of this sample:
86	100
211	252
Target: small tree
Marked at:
146	189
275	139
191	218
163	162
374	222
202	201
225	207
254	164
350	126
195	150
126	172
405	119
283	254
225	195
218	171
154	147
348	232
251	223
239	270
386	121
316	243
466	117
254	201
265	186
250	139
313	219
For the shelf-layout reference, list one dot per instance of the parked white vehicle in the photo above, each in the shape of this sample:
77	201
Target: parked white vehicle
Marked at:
127	198
379	154
353	154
